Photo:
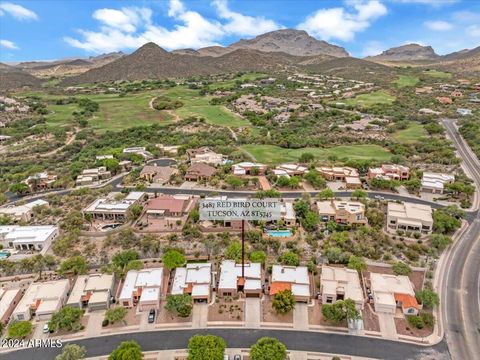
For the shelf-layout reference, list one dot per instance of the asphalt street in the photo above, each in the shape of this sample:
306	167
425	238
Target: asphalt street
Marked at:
244	338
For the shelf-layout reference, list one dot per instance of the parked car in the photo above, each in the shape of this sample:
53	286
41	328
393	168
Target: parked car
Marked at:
151	316
237	357
46	329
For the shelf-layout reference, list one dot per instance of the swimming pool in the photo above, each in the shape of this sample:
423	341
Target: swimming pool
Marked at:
4	254
279	233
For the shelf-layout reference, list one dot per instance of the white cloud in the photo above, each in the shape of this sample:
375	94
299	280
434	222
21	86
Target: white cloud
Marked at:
372	48
343	24
438	25
17	11
240	24
473	30
129	28
434	3
466	16
8	44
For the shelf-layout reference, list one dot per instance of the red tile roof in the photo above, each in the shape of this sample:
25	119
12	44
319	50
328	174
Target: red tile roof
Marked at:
408	301
167	203
279	286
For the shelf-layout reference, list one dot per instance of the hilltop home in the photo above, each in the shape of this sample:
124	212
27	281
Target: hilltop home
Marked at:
231	280
409	217
169	149
346	174
89	176
22	212
42	300
139	150
157	174
169	206
339	283
41	181
142	288
194	280
391	291
204	155
8	301
92	291
290	170
389	172
464	112
248	168
293	278
37	238
435	182
444	100
342	212
110	209
199	171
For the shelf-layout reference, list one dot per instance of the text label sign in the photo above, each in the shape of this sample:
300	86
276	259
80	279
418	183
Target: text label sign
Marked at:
244	209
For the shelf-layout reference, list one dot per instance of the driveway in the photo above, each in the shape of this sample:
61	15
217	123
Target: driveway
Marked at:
199	315
300	316
38	331
94	325
144	325
252	312
387	325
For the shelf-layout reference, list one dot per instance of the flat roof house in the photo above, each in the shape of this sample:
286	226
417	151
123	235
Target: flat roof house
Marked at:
111	209
293	278
89	176
92	291
248	168
435	182
339	284
142	288
290	170
169	206
205	155
392	291
157	174
22	212
41	181
342	212
41	300
287	213
389	172
37	238
231	281
337	173
409	217
8	301
194	280
199	171
139	150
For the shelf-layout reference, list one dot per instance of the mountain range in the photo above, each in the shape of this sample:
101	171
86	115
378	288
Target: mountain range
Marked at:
276	50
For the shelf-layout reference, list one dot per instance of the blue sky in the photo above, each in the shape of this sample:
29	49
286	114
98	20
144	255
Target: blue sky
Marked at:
53	29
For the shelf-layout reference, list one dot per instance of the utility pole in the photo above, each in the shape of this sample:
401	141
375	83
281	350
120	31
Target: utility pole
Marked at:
243	249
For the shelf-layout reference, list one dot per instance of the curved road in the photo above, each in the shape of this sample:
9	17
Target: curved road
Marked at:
244	338
460	296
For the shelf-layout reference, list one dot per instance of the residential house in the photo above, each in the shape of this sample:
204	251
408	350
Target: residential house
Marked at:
8	301
435	182
92	291
41	181
392	291
199	171
290	170
158	174
4	138
342	212
142	288
125	165
165	206
424	90
427	111
90	176
169	149
409	217
147	155
445	100
109	209
287	213
456	93
42	300
195	280
103	157
337	173
231	280
293	278
22	212
248	168
339	283
37	238
389	172
464	112
205	155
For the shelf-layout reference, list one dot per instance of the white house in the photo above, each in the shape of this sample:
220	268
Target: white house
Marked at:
142	287
194	279
339	283
293	278
435	182
93	291
22	212
37	238
231	281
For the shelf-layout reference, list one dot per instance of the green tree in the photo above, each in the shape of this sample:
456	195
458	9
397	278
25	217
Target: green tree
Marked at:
112	165
267	348
173	258
448	219
314	178
357	263
122	258
206	347
19	329
440	241
19	188
75	264
234	181
428	298
340	310
258	256
310	221
135	211
359	194
127	350
283	301
400	268
326	194
181	304
289	258
115	314
234	251
72	352
68	318
306	157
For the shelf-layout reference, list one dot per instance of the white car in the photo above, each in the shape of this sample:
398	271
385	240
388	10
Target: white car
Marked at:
46	330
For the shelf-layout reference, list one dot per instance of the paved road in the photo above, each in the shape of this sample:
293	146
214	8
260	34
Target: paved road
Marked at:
244	338
461	285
